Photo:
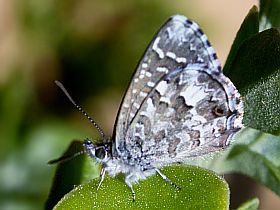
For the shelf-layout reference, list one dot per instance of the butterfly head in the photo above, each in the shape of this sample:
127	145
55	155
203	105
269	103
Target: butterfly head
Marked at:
100	152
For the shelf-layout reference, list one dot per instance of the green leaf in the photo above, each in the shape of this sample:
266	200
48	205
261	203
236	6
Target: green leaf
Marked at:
249	27
253	65
255	154
255	71
251	204
269	14
262	105
257	58
200	189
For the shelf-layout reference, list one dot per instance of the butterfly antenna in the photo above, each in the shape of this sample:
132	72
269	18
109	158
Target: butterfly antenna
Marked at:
60	85
66	158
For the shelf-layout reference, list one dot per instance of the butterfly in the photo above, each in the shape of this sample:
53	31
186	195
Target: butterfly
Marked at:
178	105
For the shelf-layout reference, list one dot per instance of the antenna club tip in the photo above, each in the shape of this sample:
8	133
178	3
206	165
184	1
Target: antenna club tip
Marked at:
58	83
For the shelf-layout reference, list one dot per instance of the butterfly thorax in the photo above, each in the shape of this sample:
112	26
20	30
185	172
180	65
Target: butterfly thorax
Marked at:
113	164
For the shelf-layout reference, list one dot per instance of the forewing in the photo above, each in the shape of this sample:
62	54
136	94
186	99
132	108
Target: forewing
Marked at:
178	43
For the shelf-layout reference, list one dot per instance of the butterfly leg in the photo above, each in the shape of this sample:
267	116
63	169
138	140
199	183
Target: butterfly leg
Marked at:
102	175
167	180
129	184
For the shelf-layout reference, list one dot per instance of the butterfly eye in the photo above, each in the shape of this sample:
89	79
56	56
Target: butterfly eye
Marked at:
87	142
100	153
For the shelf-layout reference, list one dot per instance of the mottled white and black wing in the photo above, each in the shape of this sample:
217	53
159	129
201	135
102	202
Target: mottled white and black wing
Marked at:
178	43
178	104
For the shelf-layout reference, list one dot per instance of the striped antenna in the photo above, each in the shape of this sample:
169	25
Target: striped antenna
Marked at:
60	85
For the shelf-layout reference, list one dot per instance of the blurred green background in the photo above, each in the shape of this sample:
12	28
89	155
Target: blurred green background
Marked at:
93	48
